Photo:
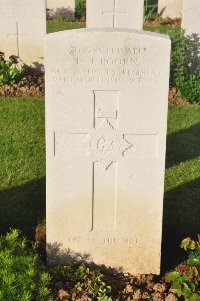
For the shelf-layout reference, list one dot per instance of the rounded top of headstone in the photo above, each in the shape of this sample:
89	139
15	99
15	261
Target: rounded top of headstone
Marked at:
142	33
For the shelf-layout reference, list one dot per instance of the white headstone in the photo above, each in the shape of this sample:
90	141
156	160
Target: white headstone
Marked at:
191	17
115	14
106	123
23	28
54	4
170	8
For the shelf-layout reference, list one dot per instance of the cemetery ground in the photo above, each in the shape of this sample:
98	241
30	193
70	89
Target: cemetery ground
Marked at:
161	26
53	27
32	84
23	166
22	191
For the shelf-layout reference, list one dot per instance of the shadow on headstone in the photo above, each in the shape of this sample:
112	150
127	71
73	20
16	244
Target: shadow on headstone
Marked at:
37	67
57	255
162	11
114	277
22	207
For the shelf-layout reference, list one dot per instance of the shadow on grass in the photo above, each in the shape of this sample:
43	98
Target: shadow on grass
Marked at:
181	219
183	146
23	207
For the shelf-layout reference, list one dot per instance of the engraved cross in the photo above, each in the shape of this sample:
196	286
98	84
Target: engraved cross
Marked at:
105	145
18	36
114	13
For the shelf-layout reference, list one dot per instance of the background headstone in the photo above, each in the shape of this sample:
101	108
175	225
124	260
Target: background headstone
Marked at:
106	123
23	28
170	8
191	17
54	4
115	14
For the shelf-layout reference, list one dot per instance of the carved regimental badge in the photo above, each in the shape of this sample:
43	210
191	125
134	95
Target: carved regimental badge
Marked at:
106	144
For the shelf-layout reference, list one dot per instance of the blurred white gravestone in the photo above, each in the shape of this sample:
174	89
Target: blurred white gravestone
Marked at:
191	17
170	8
54	4
115	14
106	123
23	28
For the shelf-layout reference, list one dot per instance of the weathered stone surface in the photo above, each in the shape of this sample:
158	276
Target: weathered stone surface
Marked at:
23	28
170	8
54	4
191	17
115	14
106	122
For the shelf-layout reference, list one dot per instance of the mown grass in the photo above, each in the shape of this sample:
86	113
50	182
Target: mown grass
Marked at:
22	161
182	185
54	27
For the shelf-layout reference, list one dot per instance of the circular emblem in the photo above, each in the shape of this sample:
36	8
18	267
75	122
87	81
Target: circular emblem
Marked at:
105	145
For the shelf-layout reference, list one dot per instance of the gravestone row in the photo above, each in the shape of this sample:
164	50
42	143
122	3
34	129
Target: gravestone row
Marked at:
189	10
106	123
191	17
23	28
23	23
170	8
115	14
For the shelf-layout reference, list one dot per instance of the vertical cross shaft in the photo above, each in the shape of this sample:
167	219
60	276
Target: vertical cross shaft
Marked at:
106	107
114	14
105	146
18	36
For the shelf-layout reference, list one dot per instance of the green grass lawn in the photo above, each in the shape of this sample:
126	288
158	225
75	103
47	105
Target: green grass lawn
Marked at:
182	185
22	161
53	27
